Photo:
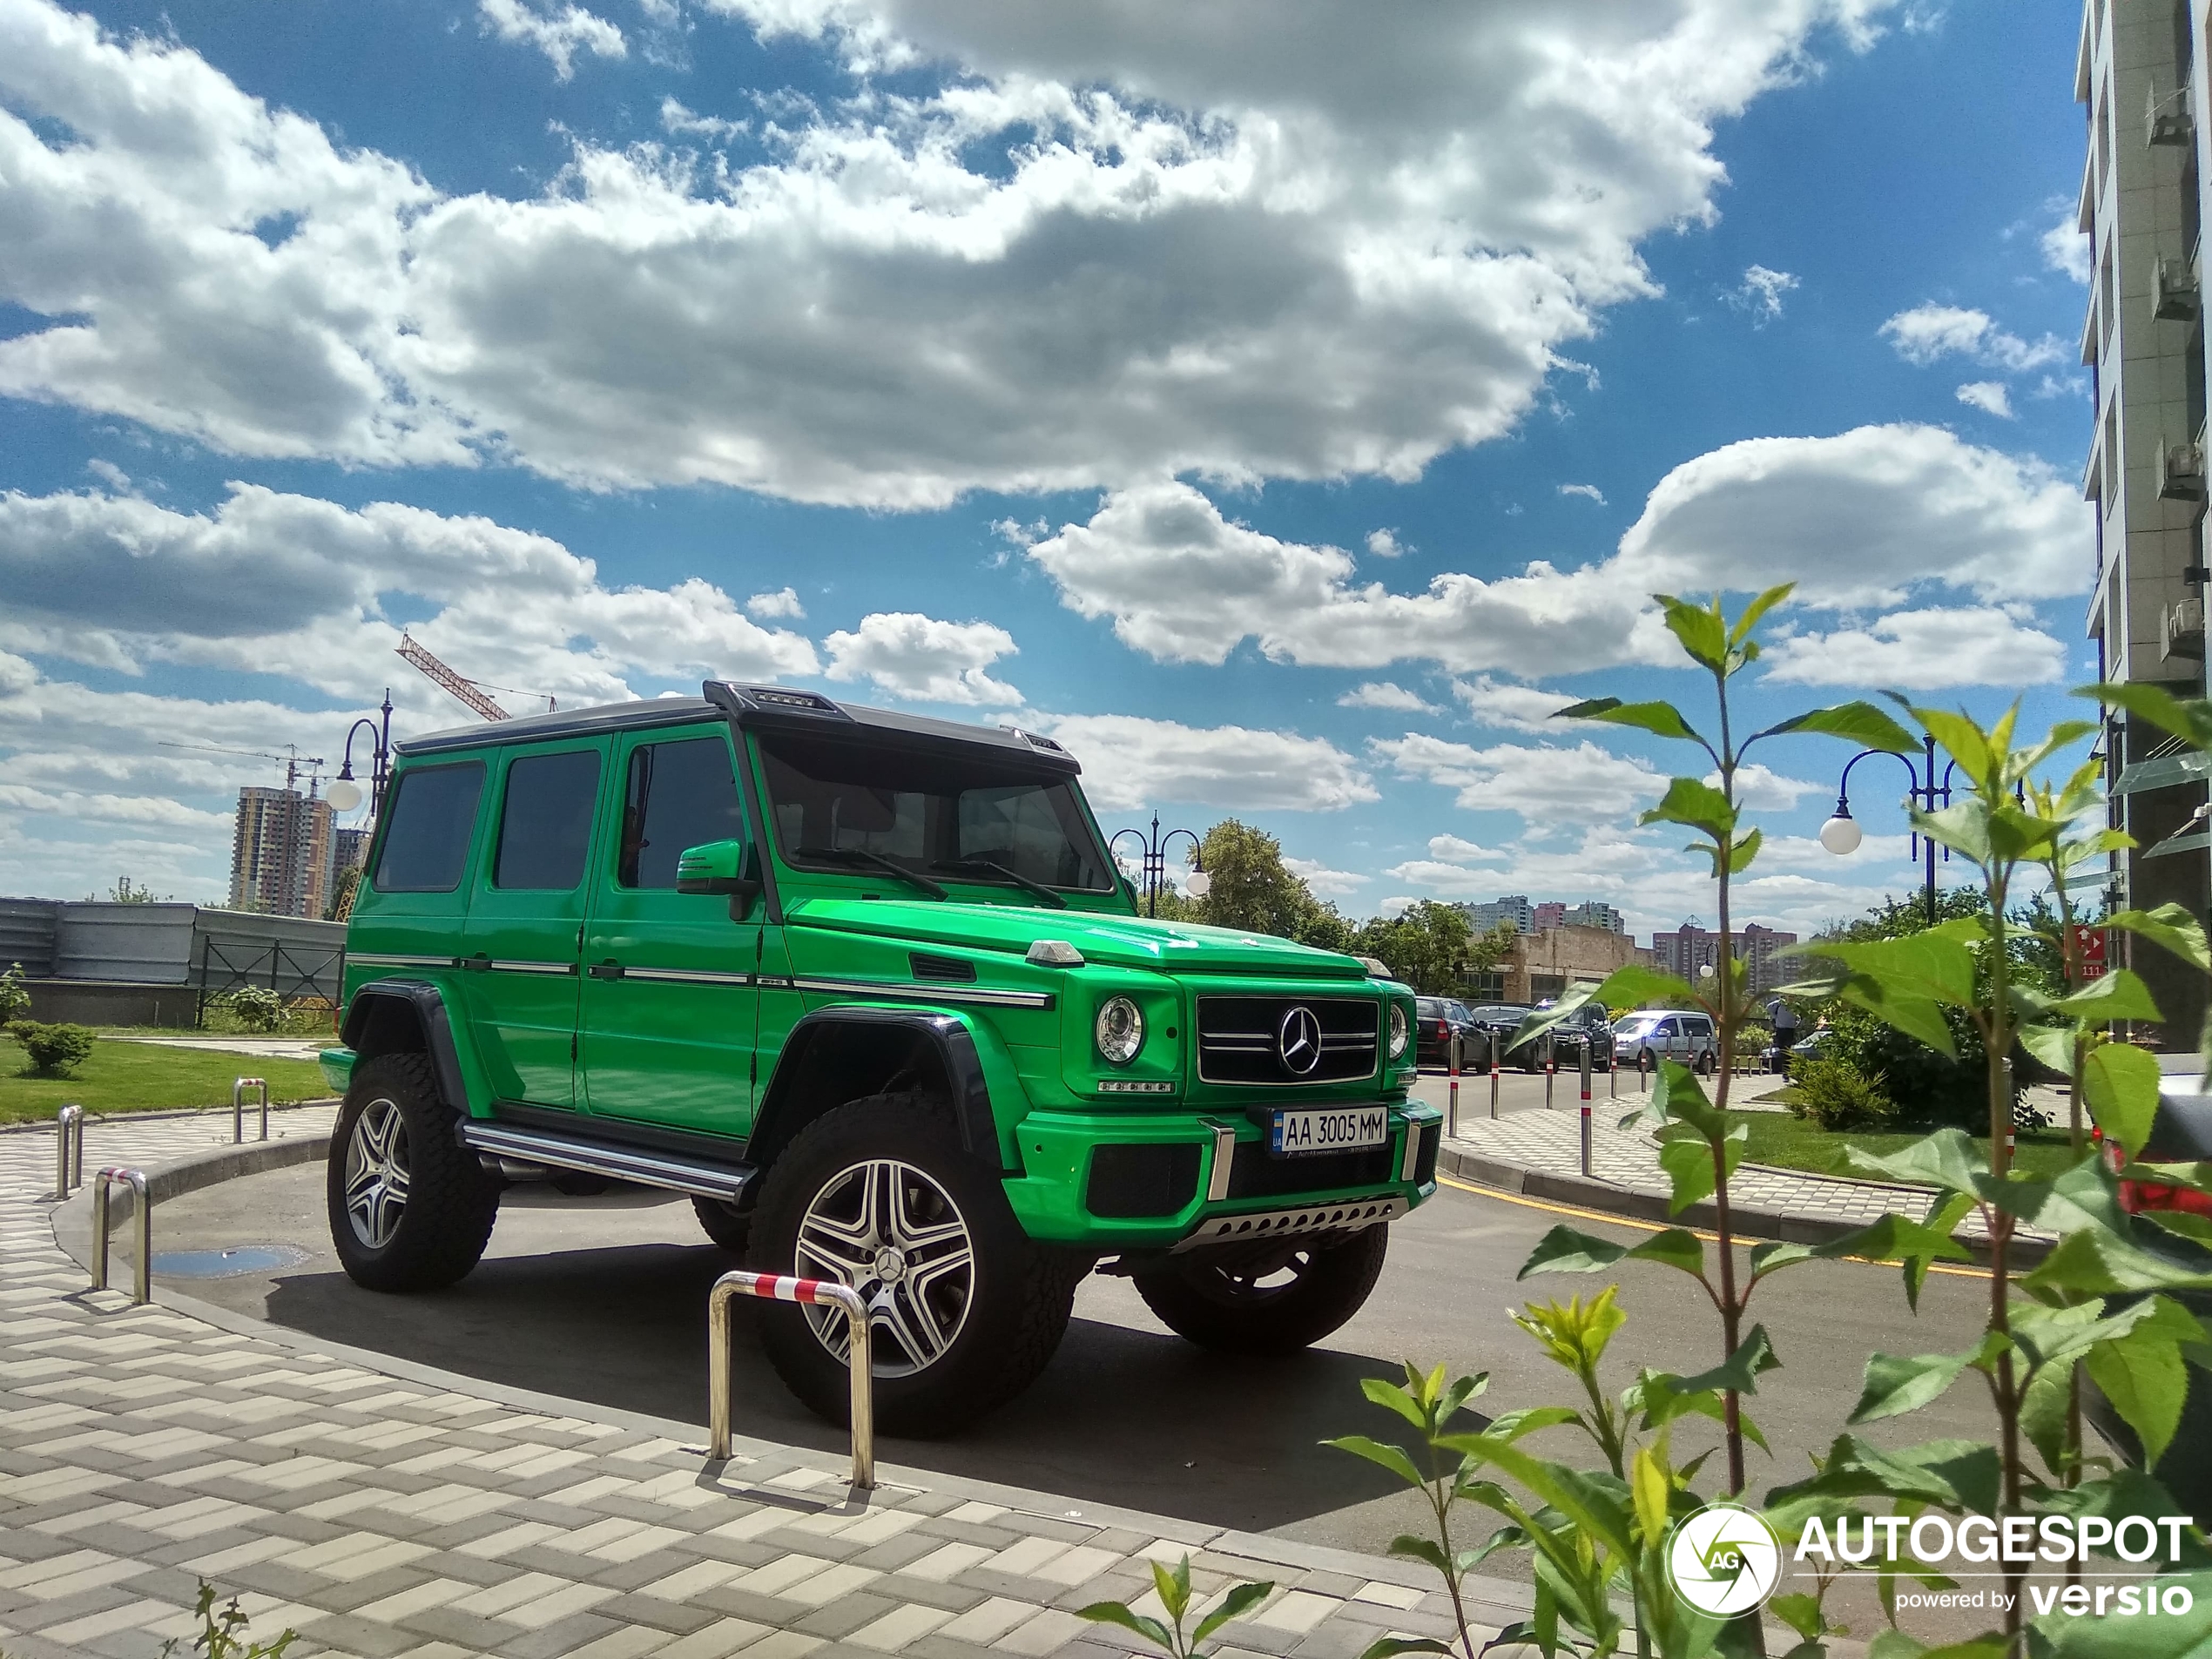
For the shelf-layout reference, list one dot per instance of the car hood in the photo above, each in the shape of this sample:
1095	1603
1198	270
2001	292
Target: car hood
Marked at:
1123	941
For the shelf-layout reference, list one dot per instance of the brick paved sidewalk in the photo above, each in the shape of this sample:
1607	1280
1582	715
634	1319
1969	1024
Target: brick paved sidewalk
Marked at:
1549	1144
142	1449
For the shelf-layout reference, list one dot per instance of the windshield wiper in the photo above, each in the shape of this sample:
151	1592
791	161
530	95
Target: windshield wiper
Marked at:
861	855
1014	876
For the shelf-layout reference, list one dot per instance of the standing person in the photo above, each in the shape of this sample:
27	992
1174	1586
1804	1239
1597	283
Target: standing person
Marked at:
1785	1031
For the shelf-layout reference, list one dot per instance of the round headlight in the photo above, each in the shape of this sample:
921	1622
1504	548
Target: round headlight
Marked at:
1399	1029
1121	1030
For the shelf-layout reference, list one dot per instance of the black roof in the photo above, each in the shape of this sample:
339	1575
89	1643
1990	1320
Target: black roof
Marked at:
768	706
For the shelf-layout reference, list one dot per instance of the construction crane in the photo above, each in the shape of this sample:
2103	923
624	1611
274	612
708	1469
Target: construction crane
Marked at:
465	688
291	757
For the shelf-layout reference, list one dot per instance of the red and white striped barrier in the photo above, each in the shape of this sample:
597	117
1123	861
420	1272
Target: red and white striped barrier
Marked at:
817	1292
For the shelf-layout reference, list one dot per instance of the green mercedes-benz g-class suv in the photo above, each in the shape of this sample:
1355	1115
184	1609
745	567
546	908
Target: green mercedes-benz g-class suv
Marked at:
871	991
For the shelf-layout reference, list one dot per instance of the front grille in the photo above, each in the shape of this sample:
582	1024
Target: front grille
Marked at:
1241	1039
1131	1182
1255	1173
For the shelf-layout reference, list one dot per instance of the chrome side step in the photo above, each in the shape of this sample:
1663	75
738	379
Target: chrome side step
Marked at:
667	1170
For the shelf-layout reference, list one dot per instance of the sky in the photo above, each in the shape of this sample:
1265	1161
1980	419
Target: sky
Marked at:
1285	404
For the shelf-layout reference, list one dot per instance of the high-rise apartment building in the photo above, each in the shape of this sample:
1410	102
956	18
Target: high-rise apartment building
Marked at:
1526	918
2141	207
1595	914
1513	907
1690	948
281	853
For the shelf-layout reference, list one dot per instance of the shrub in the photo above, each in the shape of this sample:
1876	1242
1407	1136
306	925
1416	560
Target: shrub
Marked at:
257	1007
15	995
1836	1095
55	1050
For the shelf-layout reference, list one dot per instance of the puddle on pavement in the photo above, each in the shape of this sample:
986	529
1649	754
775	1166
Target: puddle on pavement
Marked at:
234	1263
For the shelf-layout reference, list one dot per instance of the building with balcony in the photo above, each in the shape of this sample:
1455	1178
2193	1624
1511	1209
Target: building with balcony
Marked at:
2142	207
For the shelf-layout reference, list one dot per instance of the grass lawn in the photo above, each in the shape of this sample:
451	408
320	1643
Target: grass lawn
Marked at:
140	1077
1780	1139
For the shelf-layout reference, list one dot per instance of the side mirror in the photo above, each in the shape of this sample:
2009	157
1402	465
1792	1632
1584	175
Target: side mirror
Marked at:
730	867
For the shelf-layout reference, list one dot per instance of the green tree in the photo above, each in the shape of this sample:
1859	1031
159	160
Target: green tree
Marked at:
1429	946
1251	888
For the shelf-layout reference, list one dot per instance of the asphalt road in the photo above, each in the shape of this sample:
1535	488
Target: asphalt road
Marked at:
604	1300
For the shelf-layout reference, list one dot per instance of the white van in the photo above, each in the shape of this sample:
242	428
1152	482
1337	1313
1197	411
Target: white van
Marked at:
1667	1033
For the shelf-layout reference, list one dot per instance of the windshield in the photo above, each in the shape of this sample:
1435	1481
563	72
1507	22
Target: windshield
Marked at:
1634	1022
1501	1011
859	805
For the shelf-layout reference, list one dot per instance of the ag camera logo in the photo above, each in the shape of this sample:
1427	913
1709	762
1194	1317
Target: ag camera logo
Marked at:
1724	1560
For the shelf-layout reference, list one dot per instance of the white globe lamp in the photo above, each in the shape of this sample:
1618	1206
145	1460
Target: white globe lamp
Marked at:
1197	884
1840	834
343	795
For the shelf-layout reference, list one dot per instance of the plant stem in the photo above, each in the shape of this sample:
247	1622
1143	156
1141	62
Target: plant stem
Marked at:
1998	1037
1724	1021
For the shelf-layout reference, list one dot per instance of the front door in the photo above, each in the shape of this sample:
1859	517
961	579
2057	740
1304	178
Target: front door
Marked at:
526	921
668	994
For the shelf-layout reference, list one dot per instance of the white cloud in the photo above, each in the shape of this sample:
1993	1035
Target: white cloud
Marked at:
1588	492
1129	245
559	34
2064	248
922	660
1541	782
1385	544
1760	293
1929	333
1381	694
1451	849
681	123
783	602
1325	882
1762	789
294	585
1918	651
1129	762
1513	708
1446	881
109	474
1863	519
1991	397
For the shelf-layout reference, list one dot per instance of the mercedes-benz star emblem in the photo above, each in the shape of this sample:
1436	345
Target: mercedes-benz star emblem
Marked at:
1298	1042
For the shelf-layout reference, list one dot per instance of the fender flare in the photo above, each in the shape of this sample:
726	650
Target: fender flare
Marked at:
947	1035
423	1005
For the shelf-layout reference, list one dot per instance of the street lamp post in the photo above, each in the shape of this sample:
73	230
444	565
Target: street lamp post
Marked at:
344	794
1840	834
1152	859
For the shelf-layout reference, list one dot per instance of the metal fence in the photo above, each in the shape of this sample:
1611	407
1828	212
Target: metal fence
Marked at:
293	971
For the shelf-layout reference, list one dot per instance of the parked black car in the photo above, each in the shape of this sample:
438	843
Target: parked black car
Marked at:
1435	1019
1494	1024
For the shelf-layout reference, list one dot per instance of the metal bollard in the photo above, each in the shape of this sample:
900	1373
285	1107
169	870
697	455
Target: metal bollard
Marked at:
1452	1097
1612	1071
1586	1105
237	1107
142	1280
1551	1070
69	1150
1643	1071
858	1361
1493	1036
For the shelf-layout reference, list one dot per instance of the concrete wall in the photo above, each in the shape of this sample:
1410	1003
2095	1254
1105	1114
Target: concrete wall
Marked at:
91	953
1545	964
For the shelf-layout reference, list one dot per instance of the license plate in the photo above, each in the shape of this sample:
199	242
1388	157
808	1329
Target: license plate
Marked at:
1325	1129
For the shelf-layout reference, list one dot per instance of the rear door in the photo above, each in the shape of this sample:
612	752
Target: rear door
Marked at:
526	919
669	1001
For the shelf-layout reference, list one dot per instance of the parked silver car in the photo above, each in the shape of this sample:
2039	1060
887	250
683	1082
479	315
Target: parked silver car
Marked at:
1667	1033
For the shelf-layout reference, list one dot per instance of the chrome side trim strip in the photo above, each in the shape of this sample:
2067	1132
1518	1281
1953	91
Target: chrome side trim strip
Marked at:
1348	1217
373	959
916	992
647	1169
1224	1159
498	966
685	976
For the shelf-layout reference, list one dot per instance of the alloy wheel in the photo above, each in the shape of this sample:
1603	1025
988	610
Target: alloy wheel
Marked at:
376	1173
889	1230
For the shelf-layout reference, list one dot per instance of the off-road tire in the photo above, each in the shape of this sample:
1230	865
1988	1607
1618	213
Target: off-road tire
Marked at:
1199	1301
723	1225
1020	1293
445	1216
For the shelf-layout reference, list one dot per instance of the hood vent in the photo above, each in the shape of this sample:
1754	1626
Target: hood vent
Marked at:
944	970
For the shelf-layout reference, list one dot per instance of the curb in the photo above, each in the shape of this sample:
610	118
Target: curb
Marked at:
1589	1193
36	1125
1490	1601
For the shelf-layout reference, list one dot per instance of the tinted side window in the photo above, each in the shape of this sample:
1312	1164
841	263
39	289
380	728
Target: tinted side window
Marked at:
545	825
426	840
680	794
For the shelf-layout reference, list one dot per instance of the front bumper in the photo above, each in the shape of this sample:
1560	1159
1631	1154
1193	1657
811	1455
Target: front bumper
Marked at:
1115	1183
337	1068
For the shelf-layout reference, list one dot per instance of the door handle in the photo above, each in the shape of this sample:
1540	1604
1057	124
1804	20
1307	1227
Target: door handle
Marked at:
608	969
